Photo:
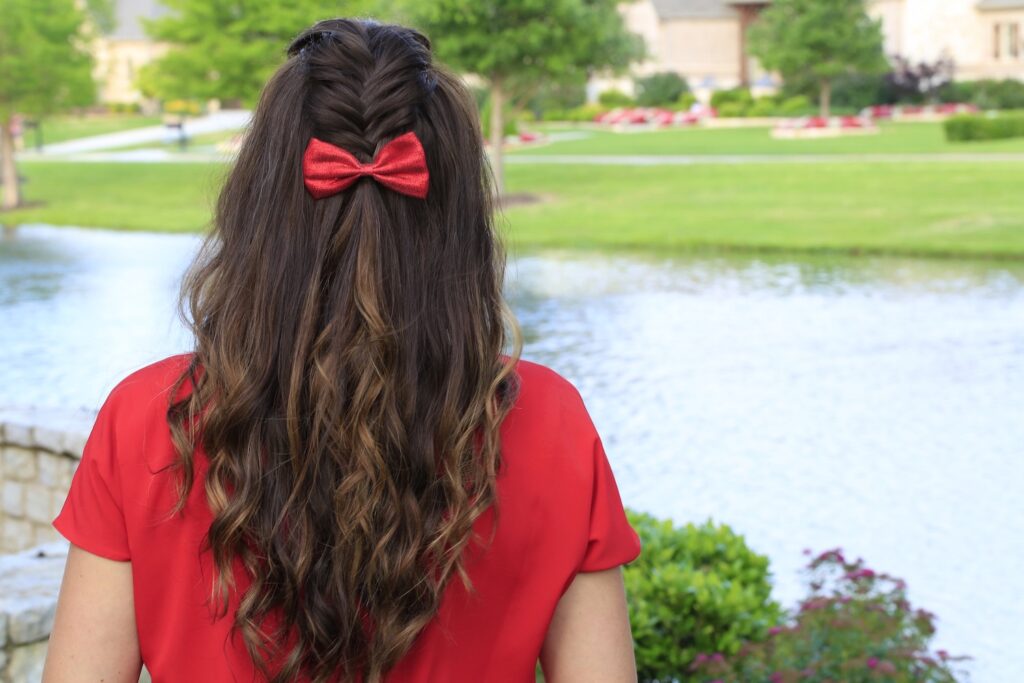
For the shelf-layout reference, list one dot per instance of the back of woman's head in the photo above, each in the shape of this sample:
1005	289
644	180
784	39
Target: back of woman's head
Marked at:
348	380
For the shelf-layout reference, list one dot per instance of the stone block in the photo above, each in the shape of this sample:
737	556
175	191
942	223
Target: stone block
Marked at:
12	498
45	533
29	585
18	432
74	443
48	438
26	665
50	469
19	463
17	534
57	498
33	621
37	502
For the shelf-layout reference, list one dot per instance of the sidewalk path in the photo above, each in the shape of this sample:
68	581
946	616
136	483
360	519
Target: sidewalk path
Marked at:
222	120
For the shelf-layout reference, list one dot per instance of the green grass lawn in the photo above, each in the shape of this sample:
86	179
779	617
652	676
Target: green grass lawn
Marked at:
894	138
165	197
61	128
949	208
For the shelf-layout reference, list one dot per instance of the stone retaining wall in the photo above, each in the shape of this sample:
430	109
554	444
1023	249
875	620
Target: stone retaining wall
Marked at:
39	451
29	583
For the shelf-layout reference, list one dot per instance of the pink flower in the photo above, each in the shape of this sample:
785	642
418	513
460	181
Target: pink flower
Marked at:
775	630
717	657
860	574
775	677
872	663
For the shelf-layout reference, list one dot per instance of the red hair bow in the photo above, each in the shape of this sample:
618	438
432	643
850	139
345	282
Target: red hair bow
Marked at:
400	165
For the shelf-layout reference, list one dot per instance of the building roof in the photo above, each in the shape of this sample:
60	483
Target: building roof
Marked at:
1001	4
127	15
693	9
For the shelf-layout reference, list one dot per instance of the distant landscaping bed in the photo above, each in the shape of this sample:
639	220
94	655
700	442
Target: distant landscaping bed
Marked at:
953	208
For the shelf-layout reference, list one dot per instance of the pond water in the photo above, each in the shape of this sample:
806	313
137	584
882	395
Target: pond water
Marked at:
872	404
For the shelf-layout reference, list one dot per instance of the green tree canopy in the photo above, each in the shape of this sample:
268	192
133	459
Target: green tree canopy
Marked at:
46	67
818	40
517	45
227	49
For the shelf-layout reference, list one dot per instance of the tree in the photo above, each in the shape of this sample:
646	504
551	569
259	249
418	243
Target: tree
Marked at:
227	49
46	67
660	89
819	40
911	81
518	45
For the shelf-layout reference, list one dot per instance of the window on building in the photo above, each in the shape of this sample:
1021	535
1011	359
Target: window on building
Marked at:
1006	40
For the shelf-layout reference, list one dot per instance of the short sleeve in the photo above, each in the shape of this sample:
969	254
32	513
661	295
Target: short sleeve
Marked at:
612	541
92	515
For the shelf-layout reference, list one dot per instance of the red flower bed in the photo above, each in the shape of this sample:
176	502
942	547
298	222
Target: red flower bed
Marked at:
653	116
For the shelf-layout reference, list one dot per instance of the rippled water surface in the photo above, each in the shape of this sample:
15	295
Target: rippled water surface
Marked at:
873	404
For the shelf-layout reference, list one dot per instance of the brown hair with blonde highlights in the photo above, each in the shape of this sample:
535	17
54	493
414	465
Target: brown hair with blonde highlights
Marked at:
348	381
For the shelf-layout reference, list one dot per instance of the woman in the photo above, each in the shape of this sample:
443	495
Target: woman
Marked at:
347	479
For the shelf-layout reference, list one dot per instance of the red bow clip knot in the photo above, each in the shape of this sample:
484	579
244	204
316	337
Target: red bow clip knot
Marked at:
400	165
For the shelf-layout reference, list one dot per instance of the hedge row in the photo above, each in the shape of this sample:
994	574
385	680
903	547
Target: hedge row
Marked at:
973	127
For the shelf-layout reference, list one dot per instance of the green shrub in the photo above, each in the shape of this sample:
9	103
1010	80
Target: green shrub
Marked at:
615	98
694	589
763	106
740	96
731	110
856	626
986	93
556	96
660	89
191	107
685	101
795	106
580	114
123	108
974	127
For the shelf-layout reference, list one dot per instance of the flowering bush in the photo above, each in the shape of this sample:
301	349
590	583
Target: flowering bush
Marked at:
855	626
694	589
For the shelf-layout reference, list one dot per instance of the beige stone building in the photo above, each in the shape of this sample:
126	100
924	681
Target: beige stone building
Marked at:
120	54
704	40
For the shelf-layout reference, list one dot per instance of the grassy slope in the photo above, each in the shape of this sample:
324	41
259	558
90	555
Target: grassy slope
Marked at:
968	208
165	197
59	129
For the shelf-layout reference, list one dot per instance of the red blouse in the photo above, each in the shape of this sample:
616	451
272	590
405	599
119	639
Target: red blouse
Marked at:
560	514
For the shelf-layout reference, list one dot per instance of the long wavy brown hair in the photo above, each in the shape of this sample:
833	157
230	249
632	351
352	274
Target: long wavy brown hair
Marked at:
354	359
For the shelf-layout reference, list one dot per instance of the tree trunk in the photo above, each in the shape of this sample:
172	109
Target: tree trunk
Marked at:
9	174
498	136
825	98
